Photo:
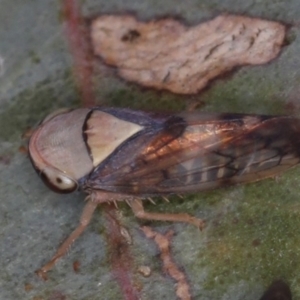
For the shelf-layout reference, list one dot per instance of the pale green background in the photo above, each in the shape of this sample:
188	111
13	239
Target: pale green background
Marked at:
222	262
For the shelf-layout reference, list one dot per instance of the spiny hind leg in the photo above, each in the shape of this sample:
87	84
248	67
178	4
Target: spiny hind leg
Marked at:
138	210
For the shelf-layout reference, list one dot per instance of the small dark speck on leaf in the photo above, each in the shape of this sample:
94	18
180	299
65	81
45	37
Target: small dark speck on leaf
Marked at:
5	159
250	222
76	266
256	242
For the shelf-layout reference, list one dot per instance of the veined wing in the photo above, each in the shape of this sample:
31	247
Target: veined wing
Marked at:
211	151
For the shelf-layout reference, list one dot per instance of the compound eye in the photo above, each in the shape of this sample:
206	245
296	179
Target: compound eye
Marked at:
58	181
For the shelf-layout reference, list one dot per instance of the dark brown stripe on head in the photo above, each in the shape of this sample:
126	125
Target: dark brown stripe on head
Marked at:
84	134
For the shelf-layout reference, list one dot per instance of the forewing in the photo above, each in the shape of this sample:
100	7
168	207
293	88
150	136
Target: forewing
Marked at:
212	151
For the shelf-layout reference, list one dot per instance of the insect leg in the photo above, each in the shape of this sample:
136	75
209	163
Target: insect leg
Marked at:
62	250
138	209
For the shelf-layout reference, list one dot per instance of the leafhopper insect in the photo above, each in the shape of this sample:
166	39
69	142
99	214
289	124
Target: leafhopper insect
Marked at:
116	154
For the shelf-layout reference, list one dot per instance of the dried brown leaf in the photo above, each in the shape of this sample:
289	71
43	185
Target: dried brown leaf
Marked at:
165	54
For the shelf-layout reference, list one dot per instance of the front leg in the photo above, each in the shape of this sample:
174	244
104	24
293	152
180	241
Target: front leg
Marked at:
62	250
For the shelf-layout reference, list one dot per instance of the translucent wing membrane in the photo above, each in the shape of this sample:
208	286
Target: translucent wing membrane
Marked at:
210	151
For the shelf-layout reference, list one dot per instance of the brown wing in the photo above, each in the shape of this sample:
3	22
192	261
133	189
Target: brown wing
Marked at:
211	151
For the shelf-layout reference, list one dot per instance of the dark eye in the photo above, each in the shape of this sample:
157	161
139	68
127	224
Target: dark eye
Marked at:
57	181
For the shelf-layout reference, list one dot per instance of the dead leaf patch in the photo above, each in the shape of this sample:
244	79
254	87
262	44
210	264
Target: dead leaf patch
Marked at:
165	54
